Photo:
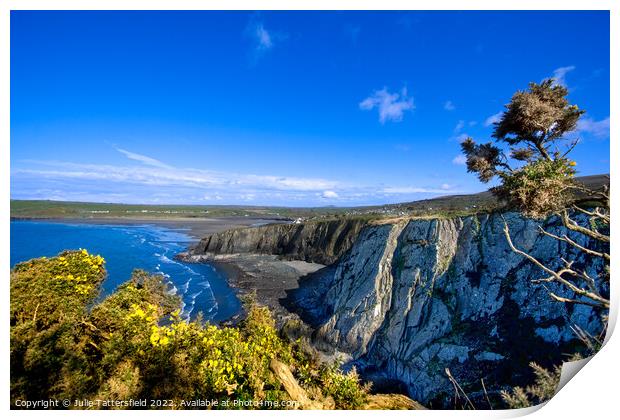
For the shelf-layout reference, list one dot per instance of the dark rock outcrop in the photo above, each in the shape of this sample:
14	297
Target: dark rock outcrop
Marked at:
319	242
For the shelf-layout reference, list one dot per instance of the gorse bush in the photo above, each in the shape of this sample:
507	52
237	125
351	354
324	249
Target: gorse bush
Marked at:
344	387
134	344
540	187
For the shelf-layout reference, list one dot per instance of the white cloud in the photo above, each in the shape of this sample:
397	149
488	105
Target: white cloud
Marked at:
559	75
596	128
415	190
459	126
449	106
493	119
156	173
459	160
460	137
329	194
147	180
391	106
247	197
263	37
142	159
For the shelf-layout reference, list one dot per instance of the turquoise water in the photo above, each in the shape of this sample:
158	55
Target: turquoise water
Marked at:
202	287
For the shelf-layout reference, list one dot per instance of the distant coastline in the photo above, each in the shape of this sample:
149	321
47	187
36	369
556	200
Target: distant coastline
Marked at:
196	228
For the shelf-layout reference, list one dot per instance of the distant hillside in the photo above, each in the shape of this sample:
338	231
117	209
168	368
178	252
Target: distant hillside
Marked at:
483	200
46	209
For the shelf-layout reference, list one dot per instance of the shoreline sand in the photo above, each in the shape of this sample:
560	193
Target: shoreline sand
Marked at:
196	228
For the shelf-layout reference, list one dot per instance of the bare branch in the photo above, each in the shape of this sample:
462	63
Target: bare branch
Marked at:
486	394
565	238
572	225
570	148
568	300
595	214
604	194
457	387
557	276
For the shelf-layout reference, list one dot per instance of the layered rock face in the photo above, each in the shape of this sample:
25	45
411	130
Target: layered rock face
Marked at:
319	242
405	301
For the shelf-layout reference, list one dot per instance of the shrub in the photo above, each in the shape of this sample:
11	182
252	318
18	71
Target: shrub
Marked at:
345	388
134	344
542	390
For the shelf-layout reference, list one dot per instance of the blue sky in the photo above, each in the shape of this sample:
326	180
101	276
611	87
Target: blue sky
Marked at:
283	108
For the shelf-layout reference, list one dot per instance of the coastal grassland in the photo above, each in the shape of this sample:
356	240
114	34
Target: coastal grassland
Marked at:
134	345
47	209
445	206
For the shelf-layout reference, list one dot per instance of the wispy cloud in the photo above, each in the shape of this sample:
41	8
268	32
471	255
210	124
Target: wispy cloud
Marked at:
459	160
143	159
493	119
598	129
443	189
449	106
559	75
459	126
391	106
148	180
263	40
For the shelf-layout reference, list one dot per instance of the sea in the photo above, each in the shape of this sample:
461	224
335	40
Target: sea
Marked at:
202	288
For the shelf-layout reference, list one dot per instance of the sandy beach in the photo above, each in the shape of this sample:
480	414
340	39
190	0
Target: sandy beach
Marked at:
197	228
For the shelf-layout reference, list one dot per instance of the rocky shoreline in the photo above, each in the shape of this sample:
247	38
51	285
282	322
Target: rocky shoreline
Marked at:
267	278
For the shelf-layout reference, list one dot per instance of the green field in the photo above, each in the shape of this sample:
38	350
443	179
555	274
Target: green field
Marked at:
448	206
45	209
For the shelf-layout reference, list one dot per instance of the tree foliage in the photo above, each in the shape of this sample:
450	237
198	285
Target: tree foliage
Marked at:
529	152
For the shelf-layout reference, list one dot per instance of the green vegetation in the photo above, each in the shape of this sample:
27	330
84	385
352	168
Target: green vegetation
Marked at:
37	209
134	345
448	206
542	390
345	389
535	175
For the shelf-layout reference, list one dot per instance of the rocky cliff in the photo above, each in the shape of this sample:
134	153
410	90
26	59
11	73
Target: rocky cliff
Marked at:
404	301
319	242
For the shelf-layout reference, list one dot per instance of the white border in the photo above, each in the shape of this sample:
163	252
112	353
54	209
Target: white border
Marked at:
592	395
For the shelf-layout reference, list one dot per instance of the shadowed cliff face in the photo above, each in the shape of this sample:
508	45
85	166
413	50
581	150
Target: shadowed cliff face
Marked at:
407	300
319	242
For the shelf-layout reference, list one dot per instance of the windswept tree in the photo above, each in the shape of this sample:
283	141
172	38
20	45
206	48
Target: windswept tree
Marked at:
529	157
